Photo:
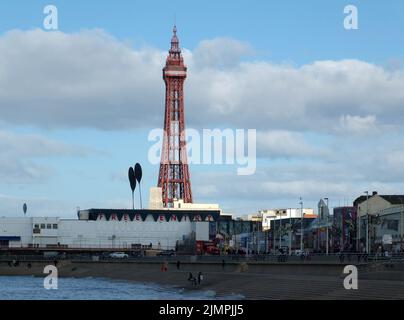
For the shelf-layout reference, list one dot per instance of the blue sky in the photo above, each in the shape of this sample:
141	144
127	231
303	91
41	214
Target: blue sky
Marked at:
299	31
78	159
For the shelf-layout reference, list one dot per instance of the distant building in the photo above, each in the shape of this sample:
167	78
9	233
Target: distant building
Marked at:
319	231
376	203
389	229
156	198
108	228
370	211
323	210
344	232
267	216
287	232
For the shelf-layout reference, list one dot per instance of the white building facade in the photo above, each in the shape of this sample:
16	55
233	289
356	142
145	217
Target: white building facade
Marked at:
275	214
160	229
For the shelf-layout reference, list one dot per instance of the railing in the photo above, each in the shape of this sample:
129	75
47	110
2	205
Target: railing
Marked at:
270	258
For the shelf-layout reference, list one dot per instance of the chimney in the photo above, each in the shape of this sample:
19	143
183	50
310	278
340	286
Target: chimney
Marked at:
374	193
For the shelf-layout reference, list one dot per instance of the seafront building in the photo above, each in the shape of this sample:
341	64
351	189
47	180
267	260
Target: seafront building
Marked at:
156	228
268	215
109	228
166	228
381	222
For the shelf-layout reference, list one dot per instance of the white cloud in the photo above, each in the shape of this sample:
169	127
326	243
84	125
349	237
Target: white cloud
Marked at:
220	53
357	124
280	143
90	79
87	79
19	154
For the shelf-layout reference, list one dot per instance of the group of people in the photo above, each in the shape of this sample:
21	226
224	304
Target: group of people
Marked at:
195	280
14	263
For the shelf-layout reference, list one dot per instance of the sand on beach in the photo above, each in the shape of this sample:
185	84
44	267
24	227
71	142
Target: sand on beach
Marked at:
248	280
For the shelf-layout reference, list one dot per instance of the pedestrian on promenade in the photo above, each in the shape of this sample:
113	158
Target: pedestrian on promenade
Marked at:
341	256
200	277
178	264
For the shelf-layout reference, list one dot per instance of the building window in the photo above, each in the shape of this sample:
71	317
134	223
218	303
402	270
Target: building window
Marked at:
42	225
36	226
48	226
55	226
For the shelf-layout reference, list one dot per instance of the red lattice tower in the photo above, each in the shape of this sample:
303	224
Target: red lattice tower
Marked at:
174	173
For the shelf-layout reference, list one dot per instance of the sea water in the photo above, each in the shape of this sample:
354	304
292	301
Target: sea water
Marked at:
32	288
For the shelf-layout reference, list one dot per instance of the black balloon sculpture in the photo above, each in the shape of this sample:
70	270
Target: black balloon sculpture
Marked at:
132	181
138	176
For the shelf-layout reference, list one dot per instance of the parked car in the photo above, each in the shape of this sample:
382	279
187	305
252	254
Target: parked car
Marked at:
51	254
136	254
166	253
119	255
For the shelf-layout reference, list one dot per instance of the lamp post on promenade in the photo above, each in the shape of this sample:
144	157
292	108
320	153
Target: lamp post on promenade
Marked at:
273	235
301	225
358	231
367	221
401	226
327	222
280	233
290	231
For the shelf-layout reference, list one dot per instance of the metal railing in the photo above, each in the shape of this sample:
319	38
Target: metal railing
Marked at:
270	258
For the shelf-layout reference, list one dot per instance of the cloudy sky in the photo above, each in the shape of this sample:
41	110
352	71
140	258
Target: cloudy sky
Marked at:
77	104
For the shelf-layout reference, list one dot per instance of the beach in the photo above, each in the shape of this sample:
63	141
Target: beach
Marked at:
253	280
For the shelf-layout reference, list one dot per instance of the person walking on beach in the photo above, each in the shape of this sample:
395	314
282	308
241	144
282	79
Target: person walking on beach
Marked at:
164	266
192	278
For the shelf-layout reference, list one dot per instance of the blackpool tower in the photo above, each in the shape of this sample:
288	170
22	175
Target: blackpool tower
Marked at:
174	173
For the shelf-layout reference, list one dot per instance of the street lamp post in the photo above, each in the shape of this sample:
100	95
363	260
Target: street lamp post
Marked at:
301	225
401	225
280	233
326	231
259	234
290	231
358	231
273	235
327	222
367	221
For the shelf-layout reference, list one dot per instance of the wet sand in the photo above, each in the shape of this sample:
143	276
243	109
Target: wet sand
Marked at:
249	281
